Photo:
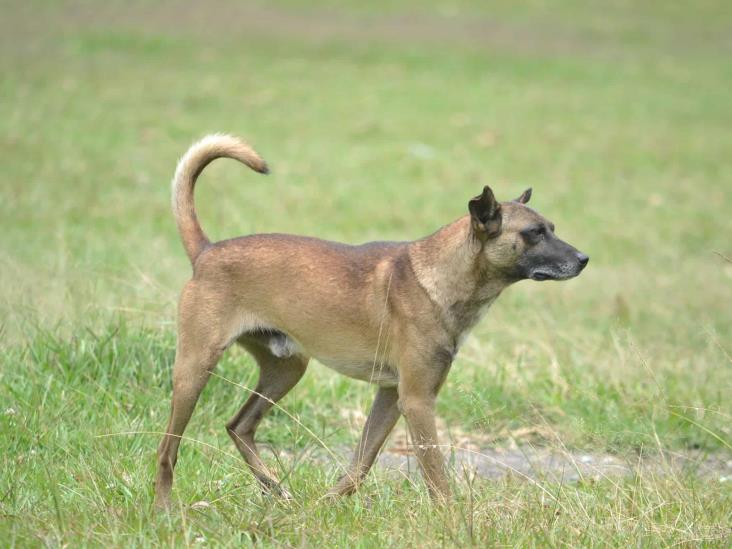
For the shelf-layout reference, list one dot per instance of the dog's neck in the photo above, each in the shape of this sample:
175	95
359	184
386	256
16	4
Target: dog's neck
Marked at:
447	266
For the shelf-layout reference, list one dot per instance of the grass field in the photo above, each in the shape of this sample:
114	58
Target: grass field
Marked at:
379	122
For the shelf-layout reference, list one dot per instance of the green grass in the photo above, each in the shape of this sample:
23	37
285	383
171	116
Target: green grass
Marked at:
618	118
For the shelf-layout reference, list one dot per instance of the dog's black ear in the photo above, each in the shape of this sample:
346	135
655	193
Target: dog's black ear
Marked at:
485	214
525	196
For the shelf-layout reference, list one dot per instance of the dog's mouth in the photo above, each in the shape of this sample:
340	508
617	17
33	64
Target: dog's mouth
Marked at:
540	276
556	266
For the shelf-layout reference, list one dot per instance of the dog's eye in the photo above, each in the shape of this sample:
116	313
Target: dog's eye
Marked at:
534	234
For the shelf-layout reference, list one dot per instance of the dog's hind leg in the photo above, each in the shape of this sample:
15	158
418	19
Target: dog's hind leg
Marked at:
382	418
200	345
191	372
277	375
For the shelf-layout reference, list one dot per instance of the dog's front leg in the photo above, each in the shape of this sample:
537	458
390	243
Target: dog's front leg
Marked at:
382	418
418	387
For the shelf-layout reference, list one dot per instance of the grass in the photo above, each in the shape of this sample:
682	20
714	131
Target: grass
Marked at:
617	118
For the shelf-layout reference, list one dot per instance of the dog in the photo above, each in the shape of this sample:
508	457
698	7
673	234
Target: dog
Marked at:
393	314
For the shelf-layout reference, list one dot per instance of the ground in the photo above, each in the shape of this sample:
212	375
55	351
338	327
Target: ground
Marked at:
590	412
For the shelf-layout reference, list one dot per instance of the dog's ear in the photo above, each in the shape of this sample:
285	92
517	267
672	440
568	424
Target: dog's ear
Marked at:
485	214
525	196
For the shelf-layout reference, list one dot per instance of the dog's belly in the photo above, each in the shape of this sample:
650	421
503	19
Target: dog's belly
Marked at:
283	346
379	374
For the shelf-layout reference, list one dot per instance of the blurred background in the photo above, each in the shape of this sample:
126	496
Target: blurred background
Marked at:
380	121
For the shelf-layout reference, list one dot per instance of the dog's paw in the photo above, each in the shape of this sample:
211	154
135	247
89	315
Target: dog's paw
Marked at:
273	488
344	487
282	493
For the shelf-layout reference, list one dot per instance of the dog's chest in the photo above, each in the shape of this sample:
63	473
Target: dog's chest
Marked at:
465	315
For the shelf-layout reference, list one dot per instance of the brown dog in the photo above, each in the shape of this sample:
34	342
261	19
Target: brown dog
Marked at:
390	313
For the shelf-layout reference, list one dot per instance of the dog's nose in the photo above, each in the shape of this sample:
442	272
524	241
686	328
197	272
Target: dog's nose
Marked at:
583	259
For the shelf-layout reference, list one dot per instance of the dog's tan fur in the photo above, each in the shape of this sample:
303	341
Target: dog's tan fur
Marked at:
393	314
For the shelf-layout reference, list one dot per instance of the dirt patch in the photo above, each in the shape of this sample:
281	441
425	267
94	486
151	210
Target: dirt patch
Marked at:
551	464
482	455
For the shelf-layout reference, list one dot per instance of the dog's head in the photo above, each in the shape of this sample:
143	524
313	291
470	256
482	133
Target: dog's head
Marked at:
518	242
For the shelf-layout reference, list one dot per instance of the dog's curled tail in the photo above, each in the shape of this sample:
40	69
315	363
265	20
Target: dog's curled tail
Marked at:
189	168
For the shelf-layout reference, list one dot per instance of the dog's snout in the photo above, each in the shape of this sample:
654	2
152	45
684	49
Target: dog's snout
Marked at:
583	259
